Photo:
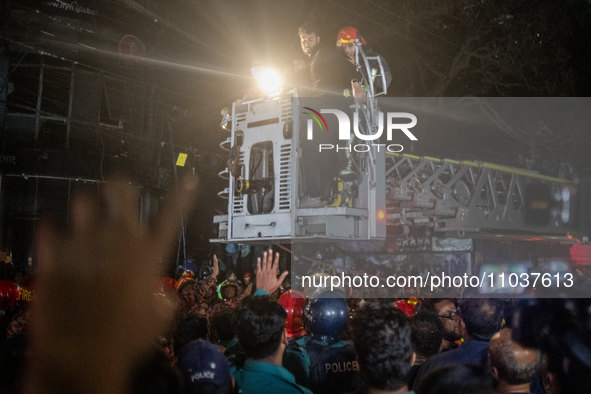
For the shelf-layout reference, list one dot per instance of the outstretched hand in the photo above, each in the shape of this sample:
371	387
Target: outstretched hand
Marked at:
267	272
95	313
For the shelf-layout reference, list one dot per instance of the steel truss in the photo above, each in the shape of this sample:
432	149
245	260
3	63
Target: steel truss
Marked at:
462	196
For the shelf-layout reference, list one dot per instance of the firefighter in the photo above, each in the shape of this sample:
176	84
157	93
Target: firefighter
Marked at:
333	366
409	306
293	302
345	39
295	358
192	293
228	292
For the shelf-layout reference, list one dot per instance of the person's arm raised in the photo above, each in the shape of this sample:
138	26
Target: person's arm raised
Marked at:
267	279
95	314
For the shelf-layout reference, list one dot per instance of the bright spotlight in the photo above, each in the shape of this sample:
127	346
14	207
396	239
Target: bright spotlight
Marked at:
270	81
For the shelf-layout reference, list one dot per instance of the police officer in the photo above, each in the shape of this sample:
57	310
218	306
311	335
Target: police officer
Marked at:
333	366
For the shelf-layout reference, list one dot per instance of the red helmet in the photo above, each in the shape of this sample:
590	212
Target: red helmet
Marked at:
348	34
186	276
293	302
406	306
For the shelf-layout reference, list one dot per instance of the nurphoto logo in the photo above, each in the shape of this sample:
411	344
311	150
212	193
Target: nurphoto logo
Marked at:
345	129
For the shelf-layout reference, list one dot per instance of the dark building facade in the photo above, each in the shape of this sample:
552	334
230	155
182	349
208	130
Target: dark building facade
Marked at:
84	93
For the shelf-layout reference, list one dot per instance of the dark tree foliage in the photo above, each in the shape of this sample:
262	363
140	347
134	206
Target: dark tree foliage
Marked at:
494	48
483	47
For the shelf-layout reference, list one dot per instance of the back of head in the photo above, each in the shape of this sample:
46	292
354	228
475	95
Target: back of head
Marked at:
190	328
204	368
459	379
514	363
382	337
259	323
427	333
327	316
483	317
221	324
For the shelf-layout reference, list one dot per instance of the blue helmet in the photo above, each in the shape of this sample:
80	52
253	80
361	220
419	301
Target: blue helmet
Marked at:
326	317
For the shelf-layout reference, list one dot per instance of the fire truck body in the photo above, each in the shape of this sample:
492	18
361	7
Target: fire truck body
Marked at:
392	193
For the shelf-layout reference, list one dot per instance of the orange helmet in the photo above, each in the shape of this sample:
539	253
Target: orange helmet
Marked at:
348	34
294	306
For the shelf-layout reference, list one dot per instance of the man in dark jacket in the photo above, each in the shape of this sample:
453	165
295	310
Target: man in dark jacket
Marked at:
482	319
329	74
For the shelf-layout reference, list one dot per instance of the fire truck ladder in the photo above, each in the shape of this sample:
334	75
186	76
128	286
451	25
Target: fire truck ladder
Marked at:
462	196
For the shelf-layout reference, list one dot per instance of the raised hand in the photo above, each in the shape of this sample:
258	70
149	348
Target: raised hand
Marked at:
267	272
95	314
216	267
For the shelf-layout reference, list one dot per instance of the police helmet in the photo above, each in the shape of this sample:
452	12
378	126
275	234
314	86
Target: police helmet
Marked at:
326	316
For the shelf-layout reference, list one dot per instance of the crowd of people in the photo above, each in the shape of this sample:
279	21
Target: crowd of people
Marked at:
269	340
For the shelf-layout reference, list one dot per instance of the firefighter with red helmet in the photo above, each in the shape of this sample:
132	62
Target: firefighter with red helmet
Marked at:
409	306
293	301
347	41
295	358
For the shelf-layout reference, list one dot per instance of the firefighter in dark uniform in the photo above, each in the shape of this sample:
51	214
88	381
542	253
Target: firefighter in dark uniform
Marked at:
333	366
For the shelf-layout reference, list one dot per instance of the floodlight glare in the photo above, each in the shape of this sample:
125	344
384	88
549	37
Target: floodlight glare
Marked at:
270	81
